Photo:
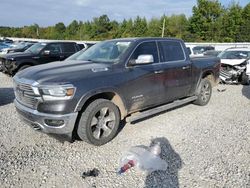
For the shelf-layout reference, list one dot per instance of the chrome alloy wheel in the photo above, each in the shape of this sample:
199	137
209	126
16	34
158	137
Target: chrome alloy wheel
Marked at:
102	123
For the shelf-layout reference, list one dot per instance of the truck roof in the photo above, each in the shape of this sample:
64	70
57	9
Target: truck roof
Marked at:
48	42
145	39
238	49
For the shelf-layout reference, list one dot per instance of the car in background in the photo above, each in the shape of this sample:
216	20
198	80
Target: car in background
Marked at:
4	45
201	49
20	47
213	53
74	56
6	40
39	53
235	66
85	45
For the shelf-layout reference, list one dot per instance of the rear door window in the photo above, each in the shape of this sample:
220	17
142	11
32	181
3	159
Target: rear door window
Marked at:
171	51
53	48
68	48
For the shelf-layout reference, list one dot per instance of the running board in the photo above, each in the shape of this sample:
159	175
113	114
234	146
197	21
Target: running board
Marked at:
159	109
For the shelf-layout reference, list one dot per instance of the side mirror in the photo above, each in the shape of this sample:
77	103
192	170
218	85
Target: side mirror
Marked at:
143	59
46	52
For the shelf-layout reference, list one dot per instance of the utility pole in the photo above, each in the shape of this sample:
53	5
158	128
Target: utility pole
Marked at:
37	32
163	28
80	32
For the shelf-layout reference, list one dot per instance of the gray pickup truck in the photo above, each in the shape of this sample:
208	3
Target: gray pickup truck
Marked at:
90	95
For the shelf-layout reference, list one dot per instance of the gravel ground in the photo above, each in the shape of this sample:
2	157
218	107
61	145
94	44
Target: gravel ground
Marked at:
203	146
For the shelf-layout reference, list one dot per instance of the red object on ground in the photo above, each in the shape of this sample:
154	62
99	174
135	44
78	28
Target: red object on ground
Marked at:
127	166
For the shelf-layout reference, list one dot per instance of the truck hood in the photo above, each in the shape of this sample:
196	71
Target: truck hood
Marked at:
62	72
232	62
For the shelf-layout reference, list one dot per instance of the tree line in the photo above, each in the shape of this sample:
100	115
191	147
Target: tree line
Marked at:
209	22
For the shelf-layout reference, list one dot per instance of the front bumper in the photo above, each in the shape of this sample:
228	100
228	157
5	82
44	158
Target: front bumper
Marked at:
8	68
37	121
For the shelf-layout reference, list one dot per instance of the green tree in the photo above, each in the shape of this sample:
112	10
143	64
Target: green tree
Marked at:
177	25
154	28
140	27
101	26
59	31
244	35
114	32
71	30
126	28
30	31
232	21
205	15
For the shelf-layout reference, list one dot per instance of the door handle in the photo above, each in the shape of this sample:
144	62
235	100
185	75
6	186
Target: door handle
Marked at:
159	72
186	67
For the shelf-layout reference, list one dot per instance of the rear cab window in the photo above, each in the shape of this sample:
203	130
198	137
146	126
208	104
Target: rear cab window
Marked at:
68	48
54	48
171	51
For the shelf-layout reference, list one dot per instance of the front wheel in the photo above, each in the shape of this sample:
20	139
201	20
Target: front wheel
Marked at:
99	122
245	80
204	92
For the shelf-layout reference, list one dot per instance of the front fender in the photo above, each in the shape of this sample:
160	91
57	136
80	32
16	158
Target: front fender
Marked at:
92	93
25	62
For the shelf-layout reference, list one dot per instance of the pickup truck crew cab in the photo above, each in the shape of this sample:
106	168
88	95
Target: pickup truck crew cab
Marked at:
40	53
110	81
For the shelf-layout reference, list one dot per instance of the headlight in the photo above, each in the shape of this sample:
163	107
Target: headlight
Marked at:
50	93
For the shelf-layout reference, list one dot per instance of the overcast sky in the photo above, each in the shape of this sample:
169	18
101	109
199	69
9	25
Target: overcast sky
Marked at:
50	12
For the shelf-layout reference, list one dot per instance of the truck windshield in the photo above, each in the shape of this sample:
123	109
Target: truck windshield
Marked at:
36	48
105	52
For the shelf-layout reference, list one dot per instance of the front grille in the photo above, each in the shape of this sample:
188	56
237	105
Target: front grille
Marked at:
225	74
25	95
2	61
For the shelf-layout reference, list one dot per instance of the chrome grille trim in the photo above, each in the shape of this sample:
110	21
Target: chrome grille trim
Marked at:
25	94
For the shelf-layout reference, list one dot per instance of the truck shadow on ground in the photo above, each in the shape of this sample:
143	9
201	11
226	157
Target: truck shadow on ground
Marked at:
246	91
168	178
7	96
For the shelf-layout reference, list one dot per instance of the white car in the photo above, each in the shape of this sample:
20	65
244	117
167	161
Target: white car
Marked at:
235	65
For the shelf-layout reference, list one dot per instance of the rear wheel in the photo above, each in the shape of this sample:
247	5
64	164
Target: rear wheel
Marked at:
204	92
99	122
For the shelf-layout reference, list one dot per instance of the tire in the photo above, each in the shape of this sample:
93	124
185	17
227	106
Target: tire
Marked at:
99	123
204	92
23	67
245	80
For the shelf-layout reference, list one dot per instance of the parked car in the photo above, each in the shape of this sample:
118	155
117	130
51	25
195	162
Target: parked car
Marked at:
201	49
235	66
75	56
6	40
82	46
110	81
85	45
21	47
4	45
37	54
213	53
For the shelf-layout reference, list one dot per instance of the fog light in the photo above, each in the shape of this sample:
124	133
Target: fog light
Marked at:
54	122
